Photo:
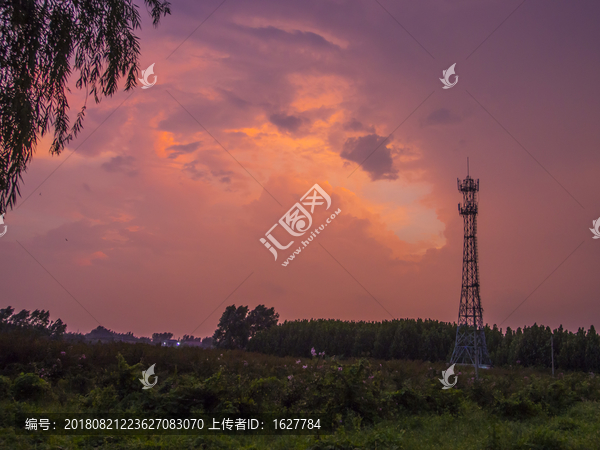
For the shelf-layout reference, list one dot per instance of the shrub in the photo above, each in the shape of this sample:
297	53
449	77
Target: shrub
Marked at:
542	437
29	386
482	392
517	407
102	399
565	424
4	387
79	383
444	401
408	400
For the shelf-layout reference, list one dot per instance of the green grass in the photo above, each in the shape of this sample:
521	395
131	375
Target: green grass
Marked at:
473	428
381	404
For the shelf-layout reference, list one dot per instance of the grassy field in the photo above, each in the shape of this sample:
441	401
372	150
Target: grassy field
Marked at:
373	404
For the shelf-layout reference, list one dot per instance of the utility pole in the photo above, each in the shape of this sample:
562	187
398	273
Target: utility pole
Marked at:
552	350
476	358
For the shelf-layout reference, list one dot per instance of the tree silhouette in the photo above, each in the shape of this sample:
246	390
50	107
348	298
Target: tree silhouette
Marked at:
160	337
261	318
41	45
37	320
233	330
236	326
187	337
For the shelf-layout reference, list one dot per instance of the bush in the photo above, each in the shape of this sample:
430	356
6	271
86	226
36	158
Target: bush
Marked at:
517	407
482	393
4	387
444	401
542	438
29	386
102	400
554	397
409	400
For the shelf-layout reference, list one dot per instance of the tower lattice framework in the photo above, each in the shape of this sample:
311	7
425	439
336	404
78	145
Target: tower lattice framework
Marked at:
470	346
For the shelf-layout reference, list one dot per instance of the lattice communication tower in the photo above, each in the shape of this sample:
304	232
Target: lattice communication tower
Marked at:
470	347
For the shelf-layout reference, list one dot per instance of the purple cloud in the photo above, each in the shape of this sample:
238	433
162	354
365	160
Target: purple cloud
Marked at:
379	163
442	116
285	122
121	164
182	149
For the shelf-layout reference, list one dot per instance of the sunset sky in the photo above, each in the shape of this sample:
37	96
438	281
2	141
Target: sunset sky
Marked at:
155	219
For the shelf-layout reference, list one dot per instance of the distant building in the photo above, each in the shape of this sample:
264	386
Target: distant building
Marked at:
170	343
100	334
103	335
198	342
192	344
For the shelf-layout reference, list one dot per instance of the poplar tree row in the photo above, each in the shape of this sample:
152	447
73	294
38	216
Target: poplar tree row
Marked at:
429	340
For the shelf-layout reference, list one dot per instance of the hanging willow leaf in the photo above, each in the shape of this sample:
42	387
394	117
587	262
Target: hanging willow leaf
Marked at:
43	43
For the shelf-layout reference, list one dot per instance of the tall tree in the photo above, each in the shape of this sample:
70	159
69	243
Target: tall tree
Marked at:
237	326
160	337
187	338
41	44
592	350
233	330
261	318
37	320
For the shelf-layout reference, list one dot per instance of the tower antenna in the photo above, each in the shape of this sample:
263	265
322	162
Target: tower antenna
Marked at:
467	166
470	347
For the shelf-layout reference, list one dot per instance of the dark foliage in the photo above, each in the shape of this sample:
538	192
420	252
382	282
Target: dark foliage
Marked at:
524	407
105	377
261	318
160	337
237	327
430	340
41	45
36	322
233	330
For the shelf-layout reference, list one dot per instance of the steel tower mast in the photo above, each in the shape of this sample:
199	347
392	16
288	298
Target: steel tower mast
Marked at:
470	347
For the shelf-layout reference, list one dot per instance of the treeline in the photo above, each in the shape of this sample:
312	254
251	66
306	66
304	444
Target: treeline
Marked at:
37	322
404	339
429	340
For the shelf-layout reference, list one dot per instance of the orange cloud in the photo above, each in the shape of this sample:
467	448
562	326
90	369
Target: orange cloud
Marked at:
87	260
